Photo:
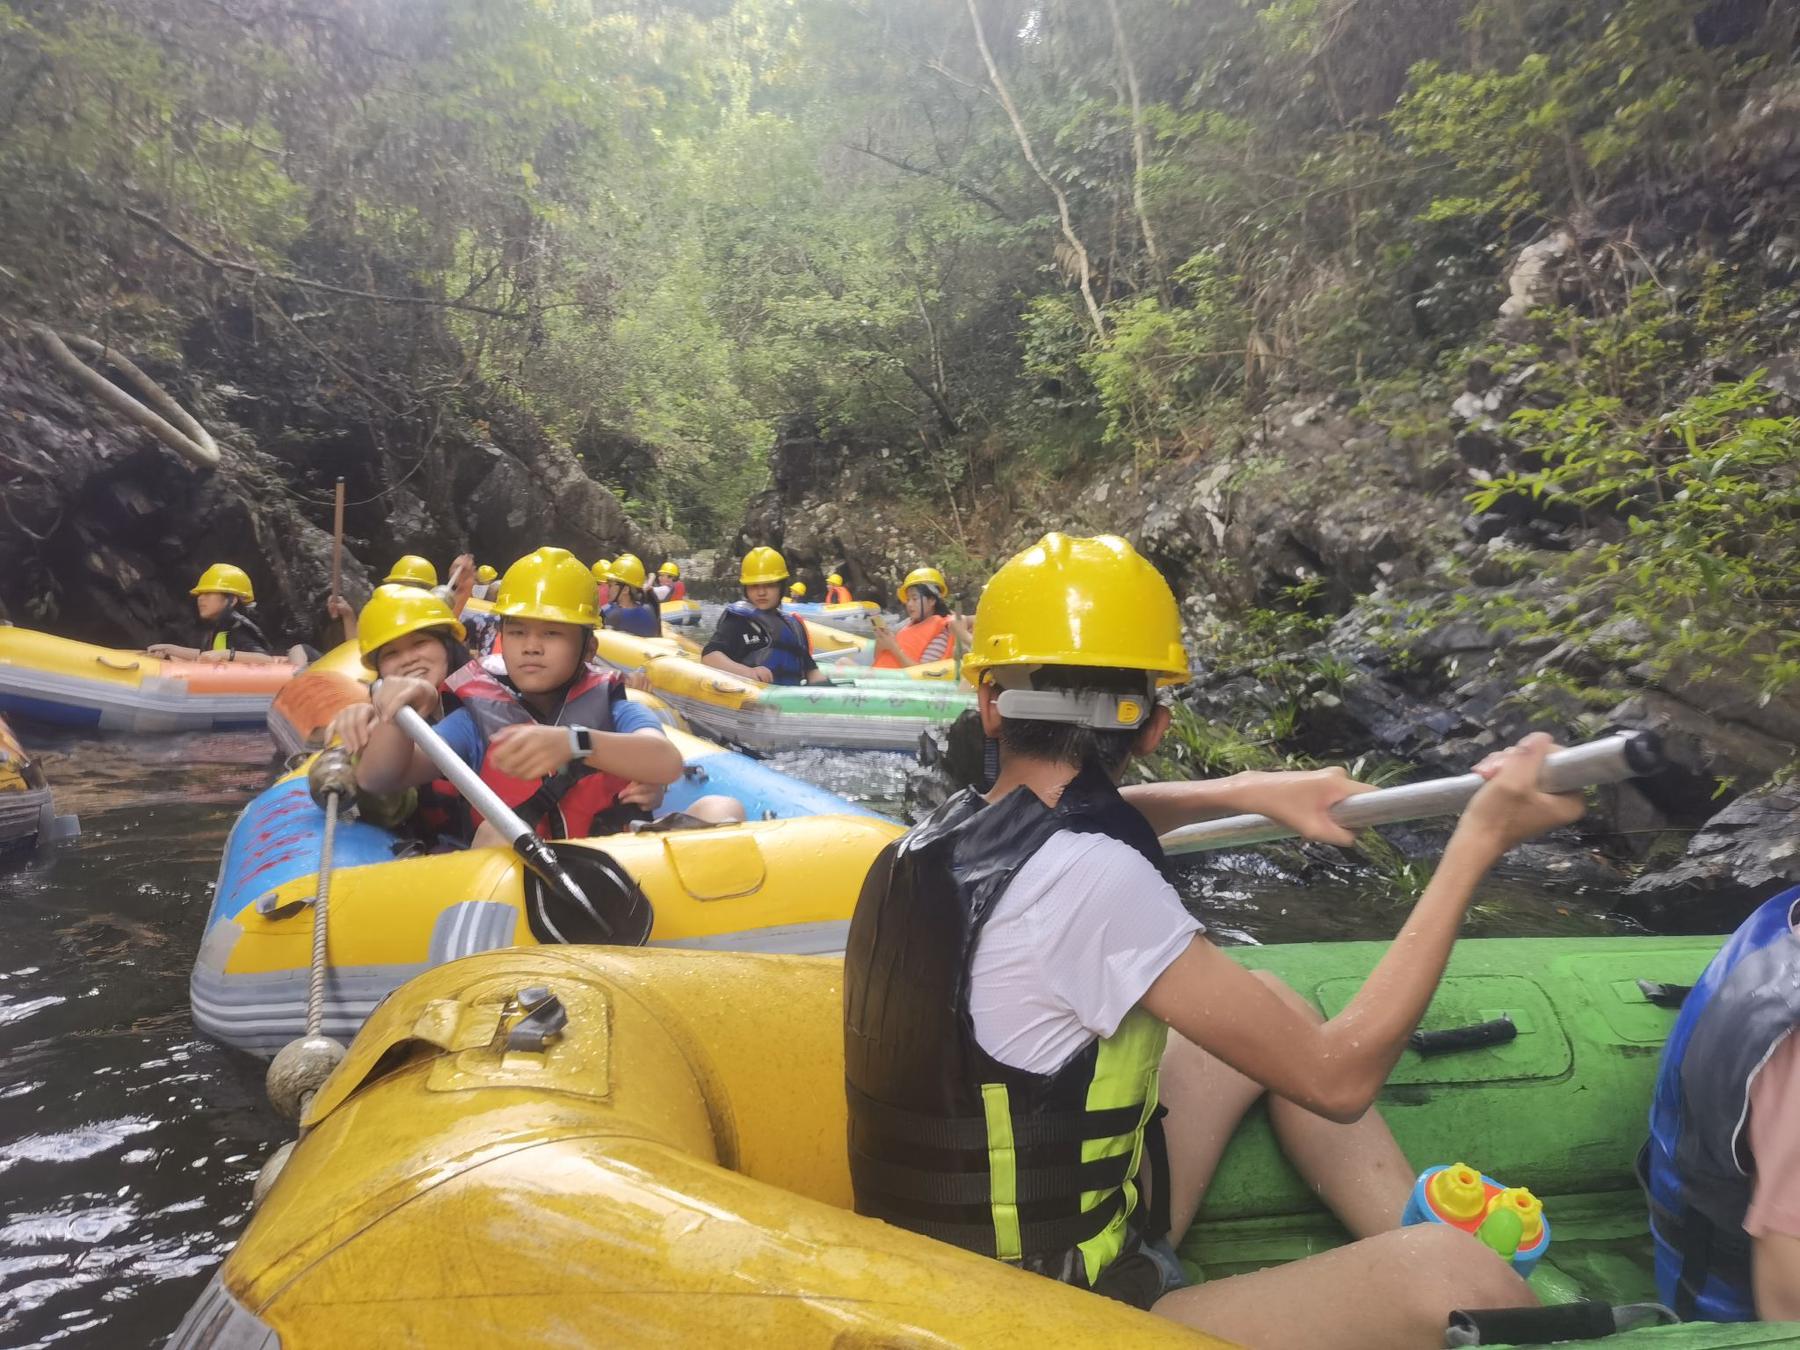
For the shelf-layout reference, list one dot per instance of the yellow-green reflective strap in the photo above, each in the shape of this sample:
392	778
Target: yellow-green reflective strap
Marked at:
1003	1172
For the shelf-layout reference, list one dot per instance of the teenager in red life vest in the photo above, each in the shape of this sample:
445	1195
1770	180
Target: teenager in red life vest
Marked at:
553	735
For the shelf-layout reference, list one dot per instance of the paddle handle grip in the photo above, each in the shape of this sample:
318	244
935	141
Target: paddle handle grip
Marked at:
485	800
1608	760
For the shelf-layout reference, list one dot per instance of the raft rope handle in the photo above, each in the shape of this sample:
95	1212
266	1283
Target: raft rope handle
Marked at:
111	664
315	989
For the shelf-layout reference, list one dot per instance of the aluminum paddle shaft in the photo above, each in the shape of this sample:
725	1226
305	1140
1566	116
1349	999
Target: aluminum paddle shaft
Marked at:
477	793
533	851
1609	760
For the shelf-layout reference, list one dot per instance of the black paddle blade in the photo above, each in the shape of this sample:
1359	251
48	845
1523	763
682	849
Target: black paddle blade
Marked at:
576	895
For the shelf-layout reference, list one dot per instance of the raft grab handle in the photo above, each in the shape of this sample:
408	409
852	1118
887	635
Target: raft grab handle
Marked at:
1476	1036
104	660
1611	759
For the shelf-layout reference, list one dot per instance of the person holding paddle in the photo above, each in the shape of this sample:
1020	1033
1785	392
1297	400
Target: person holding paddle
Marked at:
1025	996
554	736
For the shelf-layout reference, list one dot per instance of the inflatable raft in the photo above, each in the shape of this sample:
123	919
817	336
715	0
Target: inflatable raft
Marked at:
785	881
861	709
669	1167
305	705
52	679
27	813
682	612
852	615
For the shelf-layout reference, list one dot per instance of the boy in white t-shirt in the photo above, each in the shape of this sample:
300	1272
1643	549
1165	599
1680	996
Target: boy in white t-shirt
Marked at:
1023	988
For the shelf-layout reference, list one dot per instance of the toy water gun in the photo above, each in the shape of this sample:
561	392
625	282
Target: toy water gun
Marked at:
1509	1219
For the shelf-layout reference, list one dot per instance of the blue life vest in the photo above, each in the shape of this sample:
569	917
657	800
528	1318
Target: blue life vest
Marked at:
788	654
638	620
1697	1167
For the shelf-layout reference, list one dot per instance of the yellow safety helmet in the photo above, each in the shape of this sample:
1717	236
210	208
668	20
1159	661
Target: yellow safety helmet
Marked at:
798	590
412	570
762	566
485	574
550	585
929	575
628	570
1067	601
395	611
224	579
601	568
668	569
834	580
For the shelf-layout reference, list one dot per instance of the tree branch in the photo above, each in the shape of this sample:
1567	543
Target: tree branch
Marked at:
1084	269
256	273
1138	140
961	185
206	456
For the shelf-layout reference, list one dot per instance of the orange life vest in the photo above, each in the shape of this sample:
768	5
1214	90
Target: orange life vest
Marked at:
913	639
839	595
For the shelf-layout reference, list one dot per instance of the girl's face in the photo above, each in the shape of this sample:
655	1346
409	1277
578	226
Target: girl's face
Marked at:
211	604
918	603
764	595
542	657
420	655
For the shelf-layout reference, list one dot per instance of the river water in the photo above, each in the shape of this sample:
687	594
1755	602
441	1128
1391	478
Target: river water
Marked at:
128	1144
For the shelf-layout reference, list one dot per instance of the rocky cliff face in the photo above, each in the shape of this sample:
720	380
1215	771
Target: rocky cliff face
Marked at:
1373	524
103	530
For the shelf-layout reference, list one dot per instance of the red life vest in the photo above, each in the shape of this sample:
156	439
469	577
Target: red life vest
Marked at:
838	595
913	639
564	805
678	589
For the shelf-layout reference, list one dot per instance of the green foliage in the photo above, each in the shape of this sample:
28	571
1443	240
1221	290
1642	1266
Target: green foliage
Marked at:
1165	360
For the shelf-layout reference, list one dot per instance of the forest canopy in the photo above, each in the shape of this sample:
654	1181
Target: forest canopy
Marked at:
997	237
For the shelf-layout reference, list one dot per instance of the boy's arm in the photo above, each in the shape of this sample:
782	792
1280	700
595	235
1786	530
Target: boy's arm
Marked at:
1302	800
1336	1068
720	661
645	756
1775	1276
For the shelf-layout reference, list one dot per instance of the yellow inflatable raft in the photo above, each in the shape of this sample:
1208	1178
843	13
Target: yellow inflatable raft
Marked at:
668	1170
847	714
27	814
77	684
604	1147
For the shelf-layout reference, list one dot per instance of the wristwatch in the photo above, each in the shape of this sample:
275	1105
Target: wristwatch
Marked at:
581	742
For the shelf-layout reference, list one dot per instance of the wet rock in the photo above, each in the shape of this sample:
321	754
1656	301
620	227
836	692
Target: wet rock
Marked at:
1743	855
105	530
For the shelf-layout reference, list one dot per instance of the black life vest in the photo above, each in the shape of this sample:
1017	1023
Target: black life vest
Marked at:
944	1139
785	649
234	631
565	804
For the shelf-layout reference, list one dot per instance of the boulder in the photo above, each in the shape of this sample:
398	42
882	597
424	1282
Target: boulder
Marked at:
1743	855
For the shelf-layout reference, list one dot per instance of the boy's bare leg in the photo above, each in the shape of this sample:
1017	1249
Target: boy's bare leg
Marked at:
1389	1292
1357	1170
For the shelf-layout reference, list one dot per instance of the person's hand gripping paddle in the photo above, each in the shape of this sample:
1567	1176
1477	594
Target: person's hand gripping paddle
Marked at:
575	894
